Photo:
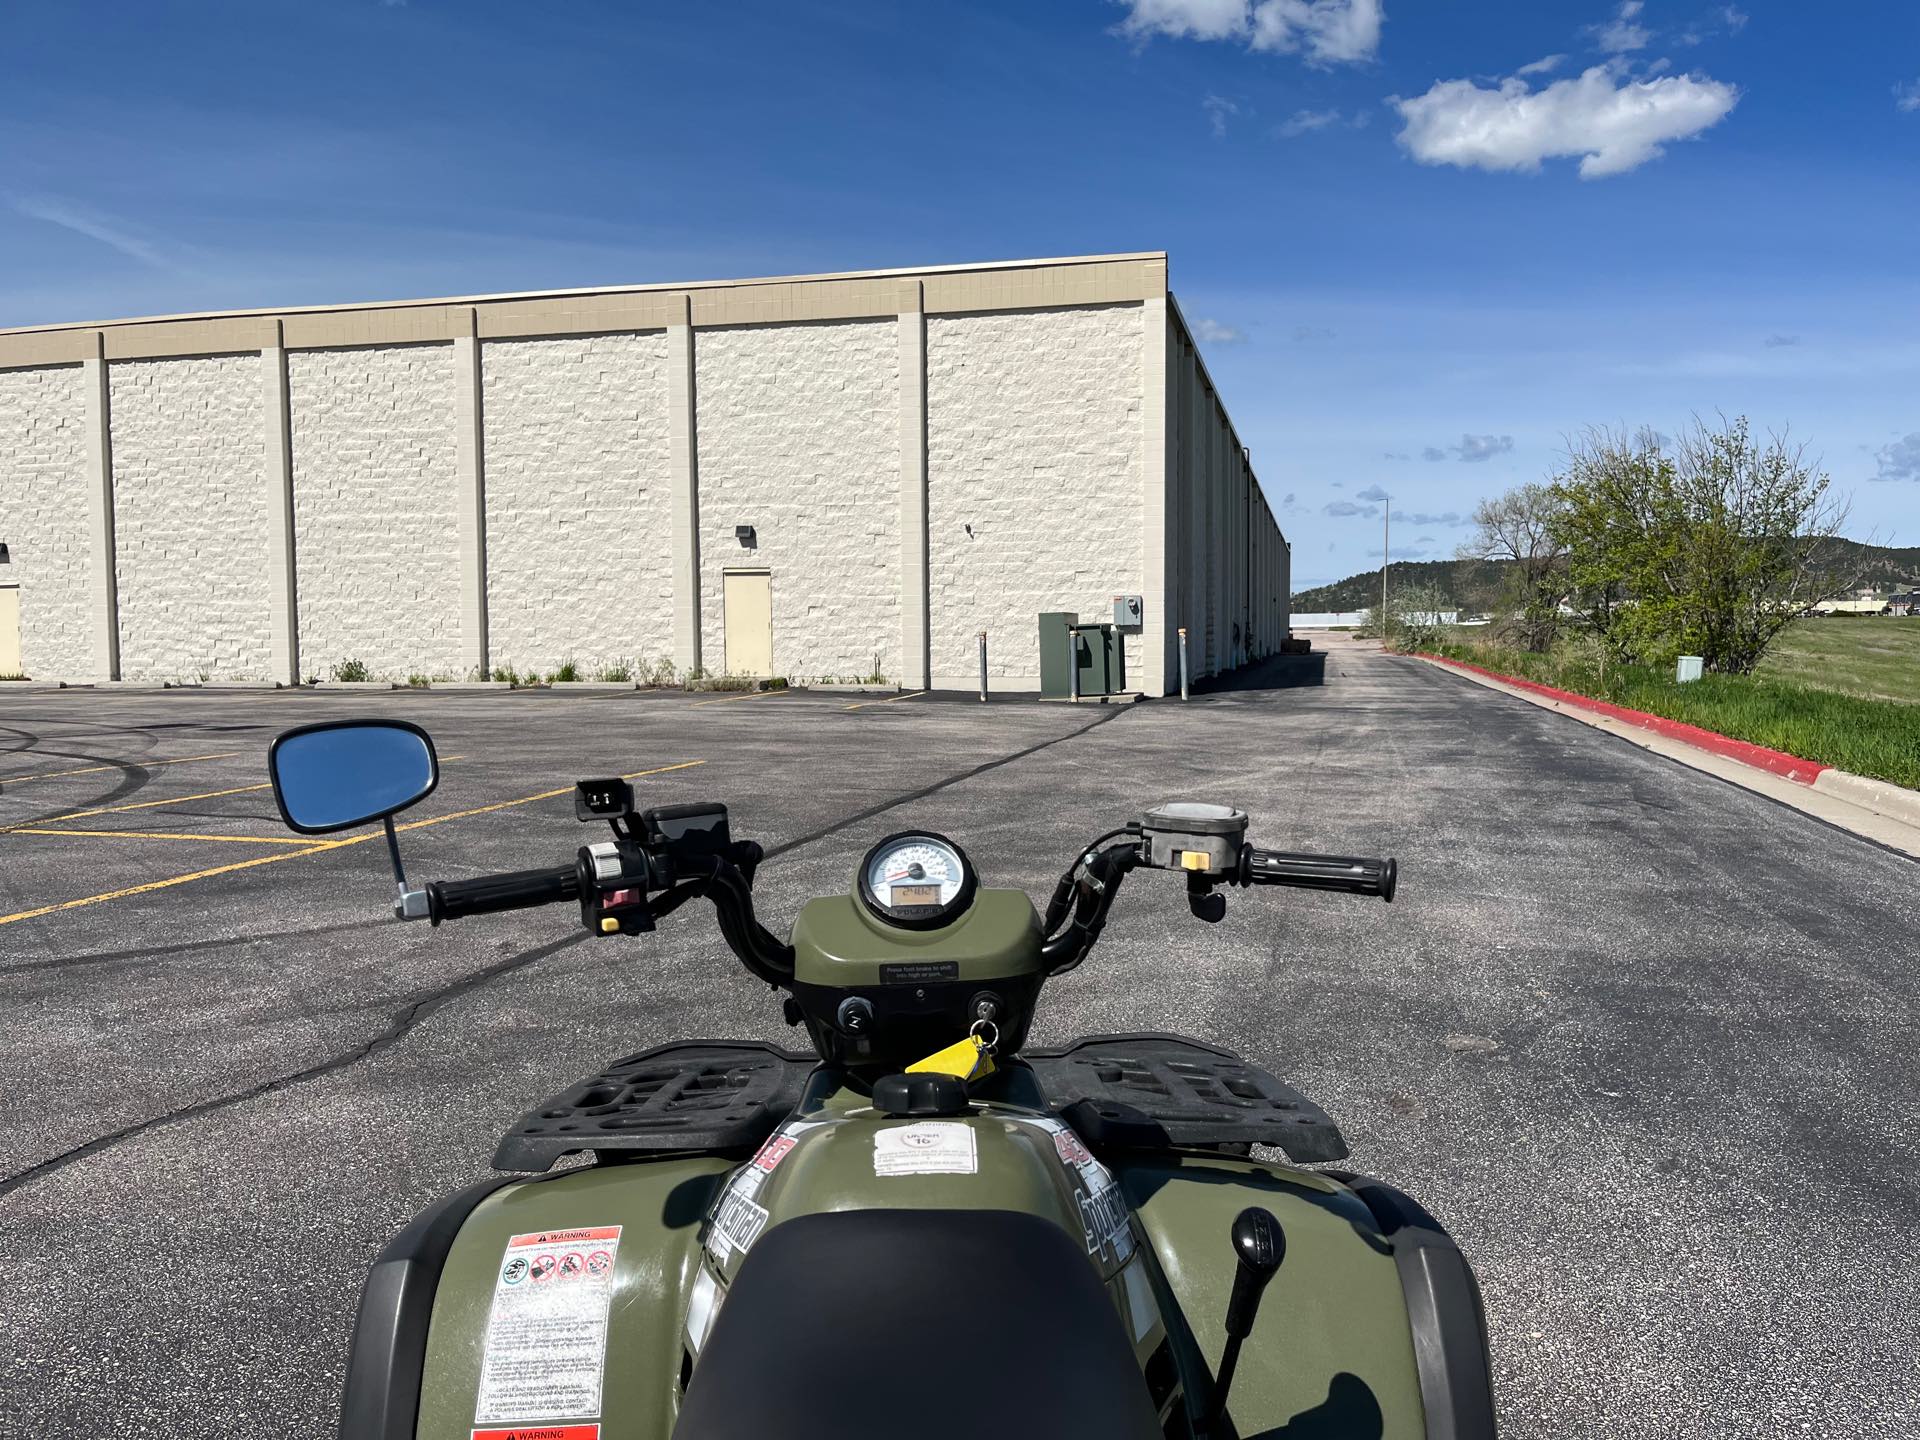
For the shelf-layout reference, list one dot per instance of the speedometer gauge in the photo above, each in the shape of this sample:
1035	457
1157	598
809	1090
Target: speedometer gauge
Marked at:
917	880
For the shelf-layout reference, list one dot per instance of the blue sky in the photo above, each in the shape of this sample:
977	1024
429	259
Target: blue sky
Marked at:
1409	233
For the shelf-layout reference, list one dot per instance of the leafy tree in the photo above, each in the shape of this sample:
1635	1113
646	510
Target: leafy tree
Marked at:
1706	546
1521	527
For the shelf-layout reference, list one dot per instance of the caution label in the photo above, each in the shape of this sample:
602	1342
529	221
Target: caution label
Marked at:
547	1334
541	1432
933	1147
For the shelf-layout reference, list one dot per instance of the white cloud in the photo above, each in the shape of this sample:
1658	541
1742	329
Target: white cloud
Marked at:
1613	126
1186	19
1373	492
1906	98
1347	510
1776	342
1623	32
1900	460
1734	18
1219	110
1471	450
1305	122
1541	66
1421	517
95	227
1215	333
1325	31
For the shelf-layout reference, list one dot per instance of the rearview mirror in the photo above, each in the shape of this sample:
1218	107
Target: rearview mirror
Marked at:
342	773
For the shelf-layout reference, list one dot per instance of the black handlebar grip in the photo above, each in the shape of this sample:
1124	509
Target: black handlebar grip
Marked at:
510	890
1355	875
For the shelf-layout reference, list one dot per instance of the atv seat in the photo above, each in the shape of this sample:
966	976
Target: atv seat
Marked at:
940	1324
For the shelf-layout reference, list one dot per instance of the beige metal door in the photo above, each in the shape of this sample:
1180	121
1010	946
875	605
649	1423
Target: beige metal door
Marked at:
748	621
9	629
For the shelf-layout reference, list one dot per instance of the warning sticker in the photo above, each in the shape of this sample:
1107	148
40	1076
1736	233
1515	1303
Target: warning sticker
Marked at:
547	1333
774	1151
1071	1149
541	1432
737	1223
934	1147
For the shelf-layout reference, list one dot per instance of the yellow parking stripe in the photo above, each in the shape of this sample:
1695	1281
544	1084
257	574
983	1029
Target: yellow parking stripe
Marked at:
314	848
164	835
151	804
176	800
734	699
6	780
890	700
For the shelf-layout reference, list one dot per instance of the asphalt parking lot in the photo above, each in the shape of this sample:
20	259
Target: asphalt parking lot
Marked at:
1643	1040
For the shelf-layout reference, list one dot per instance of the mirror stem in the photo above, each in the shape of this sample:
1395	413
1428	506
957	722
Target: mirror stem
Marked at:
407	904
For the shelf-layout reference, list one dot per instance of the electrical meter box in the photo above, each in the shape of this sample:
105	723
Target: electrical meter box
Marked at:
1129	611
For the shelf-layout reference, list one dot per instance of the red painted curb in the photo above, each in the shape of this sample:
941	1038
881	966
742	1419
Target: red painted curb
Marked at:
1777	762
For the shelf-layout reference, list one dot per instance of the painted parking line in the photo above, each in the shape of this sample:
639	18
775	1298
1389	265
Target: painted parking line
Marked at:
153	804
162	835
890	700
176	800
315	848
6	780
735	699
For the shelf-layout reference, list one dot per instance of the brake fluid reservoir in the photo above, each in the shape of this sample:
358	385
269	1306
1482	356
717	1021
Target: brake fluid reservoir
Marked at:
1194	835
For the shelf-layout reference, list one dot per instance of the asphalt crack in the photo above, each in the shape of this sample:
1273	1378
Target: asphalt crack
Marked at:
410	1016
402	1022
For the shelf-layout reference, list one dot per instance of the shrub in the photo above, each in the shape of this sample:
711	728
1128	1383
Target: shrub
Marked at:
351	672
618	672
566	674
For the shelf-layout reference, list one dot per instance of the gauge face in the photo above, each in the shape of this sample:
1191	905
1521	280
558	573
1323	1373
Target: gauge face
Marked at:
916	880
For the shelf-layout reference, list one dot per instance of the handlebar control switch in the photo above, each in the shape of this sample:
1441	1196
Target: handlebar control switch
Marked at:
615	876
1200	838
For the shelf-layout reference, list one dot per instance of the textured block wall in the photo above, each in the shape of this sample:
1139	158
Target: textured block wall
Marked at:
190	518
579	522
43	516
798	434
378	570
1033	440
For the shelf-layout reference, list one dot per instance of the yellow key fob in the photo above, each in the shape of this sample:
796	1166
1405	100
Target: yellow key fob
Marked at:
969	1059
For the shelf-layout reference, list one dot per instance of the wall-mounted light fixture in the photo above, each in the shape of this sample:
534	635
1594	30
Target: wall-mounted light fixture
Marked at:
744	534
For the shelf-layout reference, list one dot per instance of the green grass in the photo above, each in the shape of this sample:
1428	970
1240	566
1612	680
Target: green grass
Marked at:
1873	656
1867	736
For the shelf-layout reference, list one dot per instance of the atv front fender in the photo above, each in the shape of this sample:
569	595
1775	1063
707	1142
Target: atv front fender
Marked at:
414	1373
1371	1327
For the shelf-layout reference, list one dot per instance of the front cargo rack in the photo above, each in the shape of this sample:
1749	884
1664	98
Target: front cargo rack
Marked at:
1165	1092
696	1096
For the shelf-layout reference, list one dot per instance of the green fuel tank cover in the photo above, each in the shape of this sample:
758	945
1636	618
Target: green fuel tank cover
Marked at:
837	943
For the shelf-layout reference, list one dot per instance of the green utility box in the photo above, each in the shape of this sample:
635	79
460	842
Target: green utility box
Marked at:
1096	650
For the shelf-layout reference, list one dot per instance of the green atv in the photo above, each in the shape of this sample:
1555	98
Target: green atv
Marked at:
921	1227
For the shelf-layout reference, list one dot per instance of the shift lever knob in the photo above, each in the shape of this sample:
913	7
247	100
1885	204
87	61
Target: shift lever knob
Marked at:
1259	1245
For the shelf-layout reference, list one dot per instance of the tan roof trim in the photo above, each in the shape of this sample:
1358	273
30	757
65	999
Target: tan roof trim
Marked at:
778	300
909	272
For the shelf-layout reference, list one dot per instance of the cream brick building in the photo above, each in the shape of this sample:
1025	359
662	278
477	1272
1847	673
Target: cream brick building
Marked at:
865	470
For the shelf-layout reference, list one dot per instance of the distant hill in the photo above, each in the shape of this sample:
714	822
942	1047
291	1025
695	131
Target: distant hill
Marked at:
1460	581
1471	584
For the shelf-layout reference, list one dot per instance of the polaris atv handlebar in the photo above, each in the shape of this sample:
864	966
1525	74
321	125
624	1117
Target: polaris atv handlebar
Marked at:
509	890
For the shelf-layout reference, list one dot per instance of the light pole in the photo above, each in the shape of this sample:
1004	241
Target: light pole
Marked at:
1386	535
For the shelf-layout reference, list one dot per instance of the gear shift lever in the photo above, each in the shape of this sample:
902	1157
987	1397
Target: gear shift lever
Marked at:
1259	1245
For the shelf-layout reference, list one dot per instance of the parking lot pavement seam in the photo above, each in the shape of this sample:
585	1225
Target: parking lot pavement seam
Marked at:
872	810
403	1021
418	1010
